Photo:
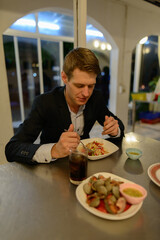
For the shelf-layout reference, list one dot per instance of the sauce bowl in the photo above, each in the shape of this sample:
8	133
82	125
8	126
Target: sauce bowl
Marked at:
133	153
133	193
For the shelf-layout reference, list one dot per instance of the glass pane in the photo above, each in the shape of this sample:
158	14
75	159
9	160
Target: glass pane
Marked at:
57	24
149	64
98	44
29	71
26	23
67	47
93	33
12	78
51	64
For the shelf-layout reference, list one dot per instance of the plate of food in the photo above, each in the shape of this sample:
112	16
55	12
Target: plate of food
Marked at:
154	173
99	148
111	205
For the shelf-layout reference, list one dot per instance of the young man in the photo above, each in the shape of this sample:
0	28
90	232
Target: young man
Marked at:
65	114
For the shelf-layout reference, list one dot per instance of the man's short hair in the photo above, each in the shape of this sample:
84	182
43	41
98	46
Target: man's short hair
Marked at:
83	59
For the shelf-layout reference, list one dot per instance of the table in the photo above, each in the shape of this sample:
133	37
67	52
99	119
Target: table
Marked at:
134	110
38	201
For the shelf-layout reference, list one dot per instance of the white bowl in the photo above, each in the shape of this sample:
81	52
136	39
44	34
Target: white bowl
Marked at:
133	153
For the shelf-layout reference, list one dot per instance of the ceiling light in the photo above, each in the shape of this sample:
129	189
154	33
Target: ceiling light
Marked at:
109	47
48	25
147	50
95	33
25	22
103	46
96	43
143	40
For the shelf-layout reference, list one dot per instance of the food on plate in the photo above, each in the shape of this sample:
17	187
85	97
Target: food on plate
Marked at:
96	148
103	194
134	153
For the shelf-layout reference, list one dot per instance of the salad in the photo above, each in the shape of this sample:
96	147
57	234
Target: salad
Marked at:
96	148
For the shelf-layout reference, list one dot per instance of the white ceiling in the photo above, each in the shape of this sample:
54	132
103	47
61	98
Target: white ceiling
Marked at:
142	4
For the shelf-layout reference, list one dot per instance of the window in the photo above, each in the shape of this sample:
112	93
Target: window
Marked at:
34	60
29	70
12	77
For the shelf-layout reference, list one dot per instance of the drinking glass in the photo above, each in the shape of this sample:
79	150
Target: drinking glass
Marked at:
78	164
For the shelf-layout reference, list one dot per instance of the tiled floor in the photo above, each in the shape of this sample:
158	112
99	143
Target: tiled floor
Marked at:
149	130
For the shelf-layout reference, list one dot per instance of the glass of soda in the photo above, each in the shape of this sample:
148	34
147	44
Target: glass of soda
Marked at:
78	164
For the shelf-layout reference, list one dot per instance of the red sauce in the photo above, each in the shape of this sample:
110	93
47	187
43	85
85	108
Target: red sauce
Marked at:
101	207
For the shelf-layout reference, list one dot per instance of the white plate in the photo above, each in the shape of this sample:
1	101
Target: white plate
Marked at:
154	173
110	147
81	196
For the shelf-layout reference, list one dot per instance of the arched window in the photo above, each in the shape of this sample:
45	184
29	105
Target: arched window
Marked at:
35	46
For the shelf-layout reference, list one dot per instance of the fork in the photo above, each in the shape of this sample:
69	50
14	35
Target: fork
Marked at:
89	150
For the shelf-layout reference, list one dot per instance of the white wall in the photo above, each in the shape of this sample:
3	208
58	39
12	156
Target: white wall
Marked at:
125	25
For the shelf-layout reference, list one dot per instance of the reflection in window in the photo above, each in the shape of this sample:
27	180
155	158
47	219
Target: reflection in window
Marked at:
29	71
92	33
26	23
12	77
57	24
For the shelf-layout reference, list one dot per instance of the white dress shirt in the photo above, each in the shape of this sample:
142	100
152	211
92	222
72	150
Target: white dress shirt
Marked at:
43	153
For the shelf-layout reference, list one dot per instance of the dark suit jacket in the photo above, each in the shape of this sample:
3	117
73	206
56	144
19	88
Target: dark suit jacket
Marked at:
50	116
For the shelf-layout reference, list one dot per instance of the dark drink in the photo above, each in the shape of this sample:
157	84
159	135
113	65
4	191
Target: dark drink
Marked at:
78	163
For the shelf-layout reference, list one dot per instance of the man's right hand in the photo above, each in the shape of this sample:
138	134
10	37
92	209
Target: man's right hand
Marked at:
68	140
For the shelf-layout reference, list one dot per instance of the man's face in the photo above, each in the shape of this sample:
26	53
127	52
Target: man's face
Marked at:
79	88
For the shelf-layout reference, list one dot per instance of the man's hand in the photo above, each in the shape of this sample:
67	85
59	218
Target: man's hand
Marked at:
110	126
68	140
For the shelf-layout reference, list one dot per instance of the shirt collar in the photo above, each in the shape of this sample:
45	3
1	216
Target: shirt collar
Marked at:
80	111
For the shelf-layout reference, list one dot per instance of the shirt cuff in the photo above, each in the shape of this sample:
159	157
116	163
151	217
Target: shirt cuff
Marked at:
118	135
43	154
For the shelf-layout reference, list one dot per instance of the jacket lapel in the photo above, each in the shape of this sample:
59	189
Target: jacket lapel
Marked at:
64	111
